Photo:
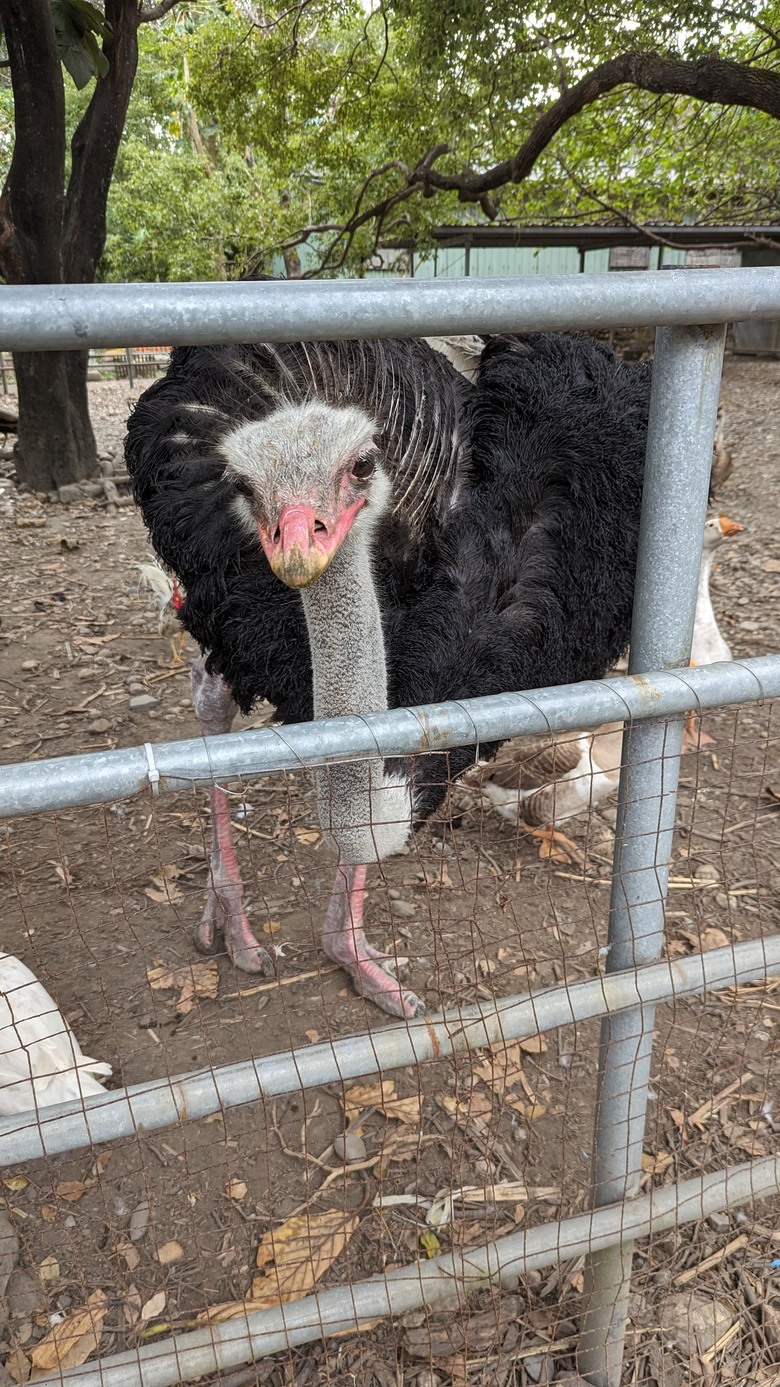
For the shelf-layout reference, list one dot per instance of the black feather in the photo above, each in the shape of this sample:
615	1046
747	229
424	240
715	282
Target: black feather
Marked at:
508	561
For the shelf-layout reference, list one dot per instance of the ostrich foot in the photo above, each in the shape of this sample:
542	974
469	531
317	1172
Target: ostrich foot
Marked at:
554	844
224	918
344	941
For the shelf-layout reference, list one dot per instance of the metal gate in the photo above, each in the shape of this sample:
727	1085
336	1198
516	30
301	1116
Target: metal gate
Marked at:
690	310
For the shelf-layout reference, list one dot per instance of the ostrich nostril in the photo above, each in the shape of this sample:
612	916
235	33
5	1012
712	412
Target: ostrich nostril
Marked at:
277	535
320	528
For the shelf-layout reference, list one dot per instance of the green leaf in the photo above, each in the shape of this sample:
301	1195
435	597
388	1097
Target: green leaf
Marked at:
78	26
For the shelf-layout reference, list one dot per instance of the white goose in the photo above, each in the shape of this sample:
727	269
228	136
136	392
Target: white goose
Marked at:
41	1061
708	643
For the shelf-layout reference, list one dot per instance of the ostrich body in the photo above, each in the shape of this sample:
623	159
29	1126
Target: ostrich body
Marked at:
358	527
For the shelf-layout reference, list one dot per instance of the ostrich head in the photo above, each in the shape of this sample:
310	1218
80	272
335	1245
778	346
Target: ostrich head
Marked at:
306	478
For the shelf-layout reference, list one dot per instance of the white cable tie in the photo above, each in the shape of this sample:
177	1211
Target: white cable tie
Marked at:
153	773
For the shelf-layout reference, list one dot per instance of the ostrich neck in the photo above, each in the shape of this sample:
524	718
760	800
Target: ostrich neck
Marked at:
365	813
345	636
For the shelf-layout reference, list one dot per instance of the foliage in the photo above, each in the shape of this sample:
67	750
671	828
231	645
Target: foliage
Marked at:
254	131
342	103
78	26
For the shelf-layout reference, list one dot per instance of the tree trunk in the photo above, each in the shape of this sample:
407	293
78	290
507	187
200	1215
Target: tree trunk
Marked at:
50	237
56	443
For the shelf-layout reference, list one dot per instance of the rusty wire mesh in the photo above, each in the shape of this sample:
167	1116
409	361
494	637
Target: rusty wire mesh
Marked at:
159	1232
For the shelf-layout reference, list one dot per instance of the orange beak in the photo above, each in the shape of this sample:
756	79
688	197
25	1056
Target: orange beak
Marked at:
729	527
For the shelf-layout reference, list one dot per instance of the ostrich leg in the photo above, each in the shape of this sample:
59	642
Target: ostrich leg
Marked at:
344	941
224	911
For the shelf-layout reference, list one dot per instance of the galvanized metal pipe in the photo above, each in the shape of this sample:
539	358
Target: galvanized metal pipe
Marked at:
98	777
683	406
163	1102
44	317
348	1309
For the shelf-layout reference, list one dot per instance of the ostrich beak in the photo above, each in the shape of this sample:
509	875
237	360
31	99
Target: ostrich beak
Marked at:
729	527
304	542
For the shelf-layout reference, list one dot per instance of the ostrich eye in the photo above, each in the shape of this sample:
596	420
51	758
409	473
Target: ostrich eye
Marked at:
243	488
364	467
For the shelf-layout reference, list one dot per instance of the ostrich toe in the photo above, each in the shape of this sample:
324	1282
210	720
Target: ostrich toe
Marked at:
224	918
345	943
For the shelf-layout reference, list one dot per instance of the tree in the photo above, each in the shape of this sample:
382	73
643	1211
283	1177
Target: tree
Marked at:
52	230
502	110
183	204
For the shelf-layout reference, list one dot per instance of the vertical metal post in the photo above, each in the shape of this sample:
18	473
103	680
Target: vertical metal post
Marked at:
129	359
683	406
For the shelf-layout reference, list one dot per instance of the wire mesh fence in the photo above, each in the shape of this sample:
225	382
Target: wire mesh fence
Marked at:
360	1176
274	1173
119	363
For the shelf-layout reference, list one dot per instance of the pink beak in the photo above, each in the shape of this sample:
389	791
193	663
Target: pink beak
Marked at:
304	542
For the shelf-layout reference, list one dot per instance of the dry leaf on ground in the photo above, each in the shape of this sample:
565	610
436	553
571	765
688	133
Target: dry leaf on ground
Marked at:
163	890
443	1208
16	1183
192	979
62	872
383	1096
292	1258
169	1252
469	1105
130	1255
101	1161
17	1365
49	1269
153	1307
704	939
70	1190
69	1344
131	1308
501	1068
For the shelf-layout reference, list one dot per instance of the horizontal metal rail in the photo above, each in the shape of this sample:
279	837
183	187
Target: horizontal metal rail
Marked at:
348	1309
163	1102
45	317
98	777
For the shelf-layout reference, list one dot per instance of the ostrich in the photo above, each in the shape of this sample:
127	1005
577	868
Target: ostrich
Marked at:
357	527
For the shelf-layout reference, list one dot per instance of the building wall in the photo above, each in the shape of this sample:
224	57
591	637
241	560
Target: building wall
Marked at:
546	260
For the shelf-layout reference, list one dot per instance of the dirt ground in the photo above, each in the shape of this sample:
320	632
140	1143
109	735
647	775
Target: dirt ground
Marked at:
167	1225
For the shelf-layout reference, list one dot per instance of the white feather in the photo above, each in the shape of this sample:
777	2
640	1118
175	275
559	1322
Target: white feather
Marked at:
153	579
41	1061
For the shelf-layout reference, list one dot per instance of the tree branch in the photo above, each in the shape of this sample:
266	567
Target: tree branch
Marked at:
156	12
714	80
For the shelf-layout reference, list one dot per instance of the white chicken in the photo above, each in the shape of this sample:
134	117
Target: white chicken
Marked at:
41	1061
168	600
